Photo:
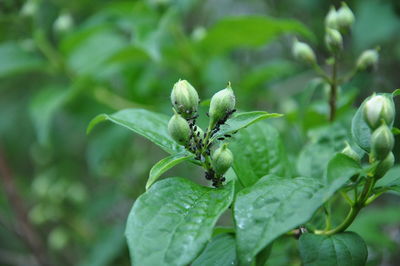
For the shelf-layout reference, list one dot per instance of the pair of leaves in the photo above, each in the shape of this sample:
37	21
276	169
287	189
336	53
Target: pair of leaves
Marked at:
172	222
275	205
153	126
347	249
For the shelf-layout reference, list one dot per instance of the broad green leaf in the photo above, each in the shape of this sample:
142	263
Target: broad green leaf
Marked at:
344	249
151	125
171	223
249	31
243	120
391	180
164	165
258	151
15	59
220	251
360	129
275	205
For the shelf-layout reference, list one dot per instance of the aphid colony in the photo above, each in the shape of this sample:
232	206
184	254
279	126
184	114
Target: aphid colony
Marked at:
183	128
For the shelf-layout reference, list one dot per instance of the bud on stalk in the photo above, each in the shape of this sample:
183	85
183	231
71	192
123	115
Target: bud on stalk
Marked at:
344	17
333	40
349	152
179	129
221	105
331	19
303	53
222	159
378	108
382	142
368	60
384	166
184	98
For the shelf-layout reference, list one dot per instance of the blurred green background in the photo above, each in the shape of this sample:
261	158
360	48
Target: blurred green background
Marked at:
62	62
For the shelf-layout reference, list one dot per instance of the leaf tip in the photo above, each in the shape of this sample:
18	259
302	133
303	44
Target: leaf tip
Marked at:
95	121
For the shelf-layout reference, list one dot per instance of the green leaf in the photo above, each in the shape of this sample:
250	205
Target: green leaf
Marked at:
258	151
391	180
344	249
220	251
275	205
172	222
151	125
243	120
16	59
360	129
249	31
164	165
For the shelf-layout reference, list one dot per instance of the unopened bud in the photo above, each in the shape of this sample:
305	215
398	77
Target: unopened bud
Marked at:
63	23
384	166
184	98
222	159
333	40
344	17
349	152
368	60
378	108
331	19
179	129
221	105
303	52
382	142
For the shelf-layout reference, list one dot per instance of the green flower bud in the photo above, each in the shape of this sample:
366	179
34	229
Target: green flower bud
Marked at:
184	98
221	105
378	107
344	17
382	142
368	60
384	166
179	129
349	152
303	52
333	40
331	19
222	159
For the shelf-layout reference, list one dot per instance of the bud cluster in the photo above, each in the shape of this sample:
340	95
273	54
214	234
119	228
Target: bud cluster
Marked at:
379	113
184	130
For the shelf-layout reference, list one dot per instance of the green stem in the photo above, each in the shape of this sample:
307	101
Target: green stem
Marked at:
333	91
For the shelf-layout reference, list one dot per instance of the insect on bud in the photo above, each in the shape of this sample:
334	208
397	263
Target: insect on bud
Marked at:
331	19
333	40
349	152
222	159
382	142
179	129
378	108
384	166
368	60
221	105
344	17
303	52
184	98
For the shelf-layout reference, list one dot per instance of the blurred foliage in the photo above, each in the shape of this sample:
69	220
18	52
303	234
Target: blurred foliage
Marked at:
63	62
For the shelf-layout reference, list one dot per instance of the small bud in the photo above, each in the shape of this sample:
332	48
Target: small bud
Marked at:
303	52
222	104
333	40
349	152
344	17
179	129
382	142
368	60
331	19
384	166
222	159
184	98
63	23
378	107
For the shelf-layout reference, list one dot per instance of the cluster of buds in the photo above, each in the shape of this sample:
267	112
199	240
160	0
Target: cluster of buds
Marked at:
379	113
184	130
